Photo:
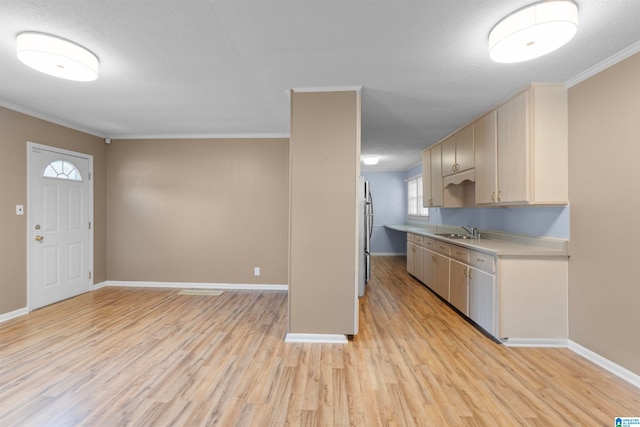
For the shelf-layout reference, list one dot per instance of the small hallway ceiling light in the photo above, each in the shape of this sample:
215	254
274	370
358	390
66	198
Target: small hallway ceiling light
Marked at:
533	31
56	56
370	160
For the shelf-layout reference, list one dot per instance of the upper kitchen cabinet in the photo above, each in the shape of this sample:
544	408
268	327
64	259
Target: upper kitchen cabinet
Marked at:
458	152
486	143
432	187
529	164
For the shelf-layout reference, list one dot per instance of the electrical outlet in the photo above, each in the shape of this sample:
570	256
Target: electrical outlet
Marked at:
19	210
256	271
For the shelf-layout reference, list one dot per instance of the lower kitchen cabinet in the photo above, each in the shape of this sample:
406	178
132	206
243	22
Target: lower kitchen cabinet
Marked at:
459	286
430	267
440	270
436	273
533	298
411	258
441	279
418	263
513	298
482	300
415	256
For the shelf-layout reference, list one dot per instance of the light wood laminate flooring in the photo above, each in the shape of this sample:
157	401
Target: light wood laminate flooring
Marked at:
152	357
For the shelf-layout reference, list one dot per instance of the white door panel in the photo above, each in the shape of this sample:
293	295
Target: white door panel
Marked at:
59	225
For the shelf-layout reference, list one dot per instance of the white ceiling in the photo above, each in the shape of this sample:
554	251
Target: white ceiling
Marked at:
222	68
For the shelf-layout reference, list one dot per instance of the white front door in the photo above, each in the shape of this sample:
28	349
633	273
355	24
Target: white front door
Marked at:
60	209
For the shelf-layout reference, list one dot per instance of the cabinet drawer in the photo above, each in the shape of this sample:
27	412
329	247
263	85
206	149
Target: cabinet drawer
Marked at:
429	243
410	237
460	253
418	240
443	248
482	261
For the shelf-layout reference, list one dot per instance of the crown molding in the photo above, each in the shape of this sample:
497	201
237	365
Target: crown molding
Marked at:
27	111
603	65
328	89
204	136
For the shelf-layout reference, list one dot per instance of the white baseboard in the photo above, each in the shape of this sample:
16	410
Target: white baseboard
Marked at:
317	338
13	314
197	285
534	342
99	285
607	364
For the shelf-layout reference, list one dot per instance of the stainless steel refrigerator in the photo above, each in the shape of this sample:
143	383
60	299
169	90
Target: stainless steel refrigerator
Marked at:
366	204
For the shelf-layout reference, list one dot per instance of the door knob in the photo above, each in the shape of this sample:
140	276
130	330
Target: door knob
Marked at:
39	238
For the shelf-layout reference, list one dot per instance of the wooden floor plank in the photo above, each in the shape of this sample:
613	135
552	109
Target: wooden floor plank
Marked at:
136	356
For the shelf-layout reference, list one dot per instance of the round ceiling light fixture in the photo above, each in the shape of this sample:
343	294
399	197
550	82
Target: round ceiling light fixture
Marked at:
370	160
56	56
533	31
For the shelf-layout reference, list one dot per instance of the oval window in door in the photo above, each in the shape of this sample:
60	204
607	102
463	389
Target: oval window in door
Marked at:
62	169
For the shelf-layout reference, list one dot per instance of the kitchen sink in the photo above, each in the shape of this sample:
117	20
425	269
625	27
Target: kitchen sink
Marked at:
457	236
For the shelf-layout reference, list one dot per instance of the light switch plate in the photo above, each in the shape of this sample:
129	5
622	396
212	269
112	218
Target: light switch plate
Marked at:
19	210
256	271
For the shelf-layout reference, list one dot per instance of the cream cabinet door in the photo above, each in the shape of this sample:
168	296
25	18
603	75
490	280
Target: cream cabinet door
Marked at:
458	152
486	146
429	269
513	150
426	179
459	287
441	279
432	189
465	157
419	263
482	300
437	189
449	156
411	257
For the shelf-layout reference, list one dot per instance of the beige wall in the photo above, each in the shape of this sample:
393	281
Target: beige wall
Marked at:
604	190
198	210
325	160
15	130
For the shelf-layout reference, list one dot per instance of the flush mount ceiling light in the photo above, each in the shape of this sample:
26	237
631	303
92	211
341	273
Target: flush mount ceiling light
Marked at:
56	56
533	31
370	160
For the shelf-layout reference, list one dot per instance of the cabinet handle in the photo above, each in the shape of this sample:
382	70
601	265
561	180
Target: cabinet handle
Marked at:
493	196
480	260
498	195
465	272
469	274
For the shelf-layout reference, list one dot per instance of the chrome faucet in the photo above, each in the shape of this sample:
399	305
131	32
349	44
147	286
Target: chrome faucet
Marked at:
473	231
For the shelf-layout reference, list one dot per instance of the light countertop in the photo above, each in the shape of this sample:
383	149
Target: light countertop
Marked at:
493	242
